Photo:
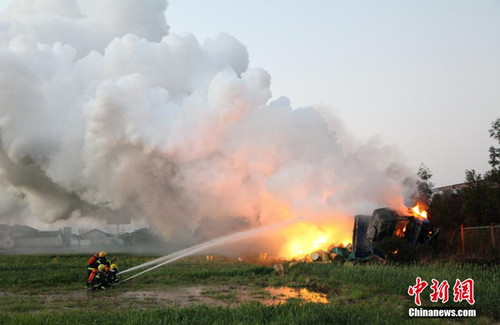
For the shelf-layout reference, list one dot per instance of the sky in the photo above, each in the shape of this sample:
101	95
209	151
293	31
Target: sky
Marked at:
421	75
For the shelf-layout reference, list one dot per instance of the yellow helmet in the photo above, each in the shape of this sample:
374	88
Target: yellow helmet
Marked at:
103	254
113	266
101	267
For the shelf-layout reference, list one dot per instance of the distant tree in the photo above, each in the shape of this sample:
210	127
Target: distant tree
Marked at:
482	197
495	152
424	186
472	177
474	198
492	177
476	205
445	210
142	236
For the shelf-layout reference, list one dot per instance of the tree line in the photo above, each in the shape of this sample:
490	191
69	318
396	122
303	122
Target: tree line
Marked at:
477	204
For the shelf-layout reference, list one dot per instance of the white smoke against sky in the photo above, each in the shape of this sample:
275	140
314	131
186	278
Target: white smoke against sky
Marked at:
103	111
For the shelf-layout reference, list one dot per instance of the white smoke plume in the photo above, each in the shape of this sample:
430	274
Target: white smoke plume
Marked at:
103	111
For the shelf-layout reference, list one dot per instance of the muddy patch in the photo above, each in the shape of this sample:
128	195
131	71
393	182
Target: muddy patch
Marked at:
223	295
182	296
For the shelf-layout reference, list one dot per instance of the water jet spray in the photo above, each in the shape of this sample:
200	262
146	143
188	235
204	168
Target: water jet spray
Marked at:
200	247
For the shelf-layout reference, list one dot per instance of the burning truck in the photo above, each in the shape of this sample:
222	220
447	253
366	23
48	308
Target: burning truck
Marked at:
385	223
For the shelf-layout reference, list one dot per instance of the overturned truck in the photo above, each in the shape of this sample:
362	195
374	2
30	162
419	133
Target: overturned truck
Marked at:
384	223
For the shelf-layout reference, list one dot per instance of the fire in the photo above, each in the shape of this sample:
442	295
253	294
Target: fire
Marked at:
418	212
401	232
305	238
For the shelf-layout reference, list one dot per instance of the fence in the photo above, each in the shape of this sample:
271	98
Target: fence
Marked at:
480	241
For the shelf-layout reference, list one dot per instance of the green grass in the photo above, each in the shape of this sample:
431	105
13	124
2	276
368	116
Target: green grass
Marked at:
49	290
250	313
380	281
68	272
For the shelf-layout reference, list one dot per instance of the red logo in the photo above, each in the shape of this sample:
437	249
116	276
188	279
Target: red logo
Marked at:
439	291
417	289
462	290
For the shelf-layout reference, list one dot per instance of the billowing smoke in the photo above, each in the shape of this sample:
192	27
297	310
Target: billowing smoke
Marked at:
103	111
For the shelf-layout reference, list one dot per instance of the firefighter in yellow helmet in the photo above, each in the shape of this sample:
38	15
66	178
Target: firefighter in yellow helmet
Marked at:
111	276
93	264
99	281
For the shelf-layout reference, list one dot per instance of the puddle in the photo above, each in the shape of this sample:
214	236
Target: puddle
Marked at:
216	295
284	293
224	295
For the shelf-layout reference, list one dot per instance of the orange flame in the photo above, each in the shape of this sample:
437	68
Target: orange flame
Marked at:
306	238
418	212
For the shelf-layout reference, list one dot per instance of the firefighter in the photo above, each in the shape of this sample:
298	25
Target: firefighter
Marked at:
111	276
93	264
99	281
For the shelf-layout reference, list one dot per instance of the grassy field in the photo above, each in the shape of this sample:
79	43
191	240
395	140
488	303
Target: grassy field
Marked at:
50	290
